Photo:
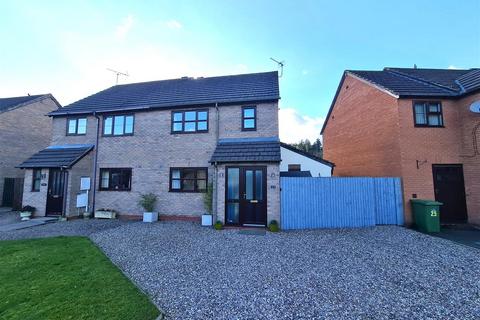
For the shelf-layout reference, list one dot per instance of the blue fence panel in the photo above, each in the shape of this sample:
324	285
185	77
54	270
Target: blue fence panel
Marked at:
340	202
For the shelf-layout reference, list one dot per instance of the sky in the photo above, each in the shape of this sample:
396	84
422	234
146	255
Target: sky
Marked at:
65	47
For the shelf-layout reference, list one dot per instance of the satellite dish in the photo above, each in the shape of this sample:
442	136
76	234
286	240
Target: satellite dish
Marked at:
475	106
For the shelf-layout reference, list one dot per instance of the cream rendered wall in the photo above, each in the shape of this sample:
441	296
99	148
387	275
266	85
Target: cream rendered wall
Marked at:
317	169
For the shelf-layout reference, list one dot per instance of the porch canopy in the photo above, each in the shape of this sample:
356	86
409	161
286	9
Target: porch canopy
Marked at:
247	150
63	156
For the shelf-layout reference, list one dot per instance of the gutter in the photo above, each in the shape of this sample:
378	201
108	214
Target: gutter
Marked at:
95	157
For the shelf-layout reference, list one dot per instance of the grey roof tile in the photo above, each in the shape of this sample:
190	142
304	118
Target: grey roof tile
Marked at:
247	151
180	92
7	103
57	156
423	82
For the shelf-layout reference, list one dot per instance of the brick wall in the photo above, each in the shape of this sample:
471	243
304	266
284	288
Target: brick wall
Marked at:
24	131
362	133
83	168
471	162
153	150
37	199
428	145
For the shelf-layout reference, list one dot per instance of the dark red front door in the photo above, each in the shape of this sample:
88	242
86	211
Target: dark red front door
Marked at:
55	195
450	190
246	196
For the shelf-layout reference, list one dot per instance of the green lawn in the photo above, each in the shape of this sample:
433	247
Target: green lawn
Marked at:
65	278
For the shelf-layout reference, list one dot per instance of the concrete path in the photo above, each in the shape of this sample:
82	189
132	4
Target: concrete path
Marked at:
466	235
26	224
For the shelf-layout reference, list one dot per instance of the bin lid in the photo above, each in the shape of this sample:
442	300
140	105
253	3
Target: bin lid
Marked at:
426	202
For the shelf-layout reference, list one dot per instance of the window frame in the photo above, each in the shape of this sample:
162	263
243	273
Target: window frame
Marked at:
124	115
172	121
196	190
100	188
426	104
34	178
76	126
249	118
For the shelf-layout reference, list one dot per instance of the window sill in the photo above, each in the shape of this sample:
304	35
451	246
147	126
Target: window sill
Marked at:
427	126
116	190
188	132
182	191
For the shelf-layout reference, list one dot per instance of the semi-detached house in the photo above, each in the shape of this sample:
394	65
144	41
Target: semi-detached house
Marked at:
172	138
422	125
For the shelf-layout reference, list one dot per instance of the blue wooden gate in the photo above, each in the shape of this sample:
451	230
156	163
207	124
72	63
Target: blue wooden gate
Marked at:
308	203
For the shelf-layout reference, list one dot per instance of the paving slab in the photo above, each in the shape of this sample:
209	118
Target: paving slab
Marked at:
26	224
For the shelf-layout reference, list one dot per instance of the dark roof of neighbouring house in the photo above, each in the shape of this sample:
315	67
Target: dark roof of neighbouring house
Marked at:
247	150
15	102
417	83
306	154
243	88
64	156
296	174
414	82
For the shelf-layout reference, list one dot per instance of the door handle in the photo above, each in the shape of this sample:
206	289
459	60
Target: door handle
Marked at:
253	201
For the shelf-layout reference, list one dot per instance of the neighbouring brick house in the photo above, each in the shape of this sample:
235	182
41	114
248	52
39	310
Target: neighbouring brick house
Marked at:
417	124
24	128
171	138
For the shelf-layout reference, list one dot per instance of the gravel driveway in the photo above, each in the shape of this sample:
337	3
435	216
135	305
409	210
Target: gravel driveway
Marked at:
372	273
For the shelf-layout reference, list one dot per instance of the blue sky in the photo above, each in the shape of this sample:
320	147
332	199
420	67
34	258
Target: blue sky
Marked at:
65	47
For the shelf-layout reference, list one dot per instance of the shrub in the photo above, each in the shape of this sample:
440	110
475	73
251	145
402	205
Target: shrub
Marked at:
208	198
147	201
273	226
218	225
29	209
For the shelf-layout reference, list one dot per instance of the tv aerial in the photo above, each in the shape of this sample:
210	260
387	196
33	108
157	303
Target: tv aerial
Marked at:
280	64
118	73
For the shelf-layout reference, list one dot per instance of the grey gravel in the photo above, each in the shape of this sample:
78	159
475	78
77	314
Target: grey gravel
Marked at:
372	273
192	272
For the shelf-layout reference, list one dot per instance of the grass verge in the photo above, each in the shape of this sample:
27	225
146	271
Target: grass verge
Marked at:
65	278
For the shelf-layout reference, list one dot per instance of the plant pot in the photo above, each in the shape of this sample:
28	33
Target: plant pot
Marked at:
150	216
207	220
101	214
25	215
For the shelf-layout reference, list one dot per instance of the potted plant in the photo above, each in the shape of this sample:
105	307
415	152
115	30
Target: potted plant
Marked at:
147	201
218	225
273	226
105	214
207	218
27	212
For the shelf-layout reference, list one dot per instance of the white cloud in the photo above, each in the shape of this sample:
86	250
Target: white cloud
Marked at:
295	127
173	24
452	67
305	72
124	27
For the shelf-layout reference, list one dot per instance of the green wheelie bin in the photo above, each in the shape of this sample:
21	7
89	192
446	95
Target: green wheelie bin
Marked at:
426	215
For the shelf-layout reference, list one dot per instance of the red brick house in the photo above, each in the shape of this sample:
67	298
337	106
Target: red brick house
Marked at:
422	125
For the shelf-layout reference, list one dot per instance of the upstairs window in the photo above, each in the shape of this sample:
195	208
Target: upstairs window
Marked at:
121	125
116	179
249	118
188	179
190	121
428	114
77	126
